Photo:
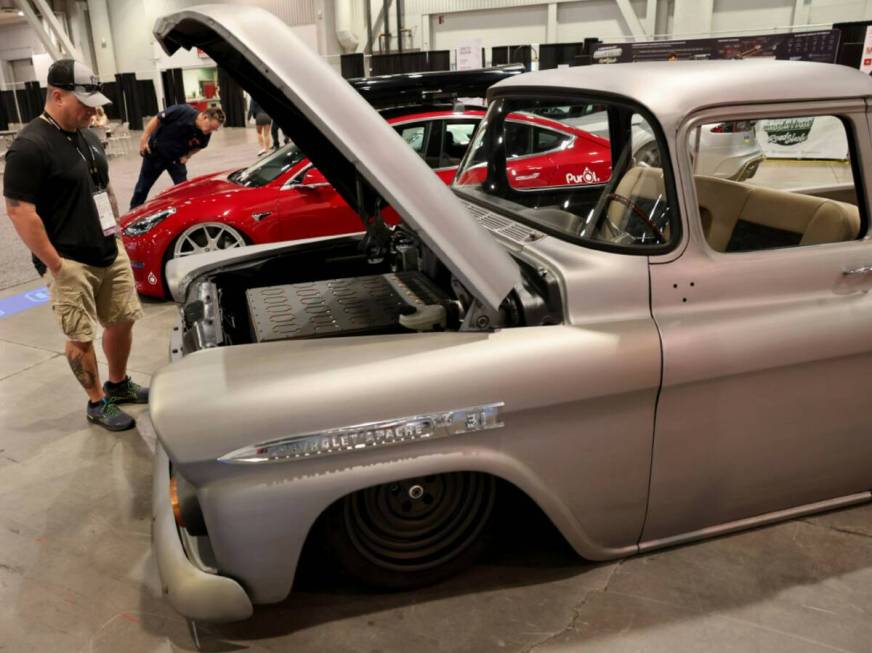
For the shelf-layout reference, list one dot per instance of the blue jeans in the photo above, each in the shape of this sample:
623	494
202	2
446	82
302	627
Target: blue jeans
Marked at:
152	167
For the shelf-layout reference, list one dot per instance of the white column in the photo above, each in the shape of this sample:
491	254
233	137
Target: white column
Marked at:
651	18
800	13
104	49
692	17
425	32
551	24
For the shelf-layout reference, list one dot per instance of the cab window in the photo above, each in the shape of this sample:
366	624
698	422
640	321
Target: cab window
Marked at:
774	183
585	172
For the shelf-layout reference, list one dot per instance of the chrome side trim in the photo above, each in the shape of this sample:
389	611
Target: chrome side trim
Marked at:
383	433
759	520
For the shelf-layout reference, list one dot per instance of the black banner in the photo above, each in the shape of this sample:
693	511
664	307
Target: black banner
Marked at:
8	100
505	54
232	101
147	97
352	65
410	62
803	46
173	87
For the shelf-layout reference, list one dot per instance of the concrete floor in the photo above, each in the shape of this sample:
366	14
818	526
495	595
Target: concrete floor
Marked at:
77	574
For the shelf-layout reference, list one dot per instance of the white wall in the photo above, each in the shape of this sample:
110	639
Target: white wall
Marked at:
731	15
78	22
136	50
838	11
131	33
496	22
19	42
515	26
577	21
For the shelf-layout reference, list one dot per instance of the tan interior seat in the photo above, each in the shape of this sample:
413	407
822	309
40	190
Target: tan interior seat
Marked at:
641	185
815	220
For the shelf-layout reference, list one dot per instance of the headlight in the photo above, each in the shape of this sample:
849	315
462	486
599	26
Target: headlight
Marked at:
147	222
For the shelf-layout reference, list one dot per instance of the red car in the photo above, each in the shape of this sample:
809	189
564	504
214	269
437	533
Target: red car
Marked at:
282	197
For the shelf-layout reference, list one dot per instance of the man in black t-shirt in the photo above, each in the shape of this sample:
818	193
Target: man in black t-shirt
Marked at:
58	196
170	139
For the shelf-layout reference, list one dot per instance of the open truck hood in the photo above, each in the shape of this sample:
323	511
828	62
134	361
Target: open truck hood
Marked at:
344	136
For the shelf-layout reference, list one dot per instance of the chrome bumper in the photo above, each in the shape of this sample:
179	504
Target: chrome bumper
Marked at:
195	593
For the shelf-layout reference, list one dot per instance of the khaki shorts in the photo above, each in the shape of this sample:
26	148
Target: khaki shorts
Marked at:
82	295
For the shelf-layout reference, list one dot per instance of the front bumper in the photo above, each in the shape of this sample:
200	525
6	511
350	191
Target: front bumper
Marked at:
195	593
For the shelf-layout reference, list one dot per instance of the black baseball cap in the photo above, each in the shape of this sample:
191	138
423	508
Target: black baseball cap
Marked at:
74	76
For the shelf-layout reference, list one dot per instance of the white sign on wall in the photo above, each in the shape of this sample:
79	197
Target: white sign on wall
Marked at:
468	55
821	137
866	59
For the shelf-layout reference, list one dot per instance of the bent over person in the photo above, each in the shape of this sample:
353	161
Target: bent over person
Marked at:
59	199
170	139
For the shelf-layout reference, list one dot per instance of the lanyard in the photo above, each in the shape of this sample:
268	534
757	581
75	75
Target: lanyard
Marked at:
90	161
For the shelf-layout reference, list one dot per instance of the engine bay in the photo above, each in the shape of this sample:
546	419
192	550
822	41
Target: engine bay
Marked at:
368	304
336	288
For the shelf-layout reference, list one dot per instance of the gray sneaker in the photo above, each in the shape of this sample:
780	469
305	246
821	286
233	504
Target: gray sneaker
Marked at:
108	415
126	392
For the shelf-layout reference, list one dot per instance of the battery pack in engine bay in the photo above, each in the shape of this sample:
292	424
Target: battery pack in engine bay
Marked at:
336	307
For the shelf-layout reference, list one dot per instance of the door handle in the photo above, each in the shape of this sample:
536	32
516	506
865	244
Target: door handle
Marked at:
257	217
858	272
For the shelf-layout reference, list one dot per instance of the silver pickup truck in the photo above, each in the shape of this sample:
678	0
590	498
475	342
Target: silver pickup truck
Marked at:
651	354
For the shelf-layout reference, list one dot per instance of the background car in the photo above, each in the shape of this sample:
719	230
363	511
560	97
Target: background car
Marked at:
728	150
283	197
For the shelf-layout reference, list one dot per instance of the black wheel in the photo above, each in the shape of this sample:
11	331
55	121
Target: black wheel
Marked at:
413	532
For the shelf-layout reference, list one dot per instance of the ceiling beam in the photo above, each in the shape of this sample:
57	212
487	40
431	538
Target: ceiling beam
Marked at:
632	19
37	27
58	29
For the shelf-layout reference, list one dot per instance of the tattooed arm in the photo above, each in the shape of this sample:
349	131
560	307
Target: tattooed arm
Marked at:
32	231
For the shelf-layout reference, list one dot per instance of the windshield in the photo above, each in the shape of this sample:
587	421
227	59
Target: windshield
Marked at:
586	172
269	167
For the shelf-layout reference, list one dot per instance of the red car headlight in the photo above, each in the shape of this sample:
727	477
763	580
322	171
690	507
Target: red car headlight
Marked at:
147	222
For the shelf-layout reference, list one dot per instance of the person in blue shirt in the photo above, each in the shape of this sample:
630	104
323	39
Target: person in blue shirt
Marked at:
170	139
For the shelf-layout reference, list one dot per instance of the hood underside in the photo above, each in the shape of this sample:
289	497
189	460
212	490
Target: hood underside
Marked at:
346	139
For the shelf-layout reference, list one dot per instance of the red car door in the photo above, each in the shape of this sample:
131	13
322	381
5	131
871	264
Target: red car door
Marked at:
308	206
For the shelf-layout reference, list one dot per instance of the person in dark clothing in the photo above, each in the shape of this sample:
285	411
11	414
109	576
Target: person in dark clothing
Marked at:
58	197
170	139
262	123
274	132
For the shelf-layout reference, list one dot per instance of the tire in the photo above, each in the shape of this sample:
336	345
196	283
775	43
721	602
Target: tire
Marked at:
387	539
182	244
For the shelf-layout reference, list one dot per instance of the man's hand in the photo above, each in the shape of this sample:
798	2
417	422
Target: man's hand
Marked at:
32	231
55	267
146	135
184	159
